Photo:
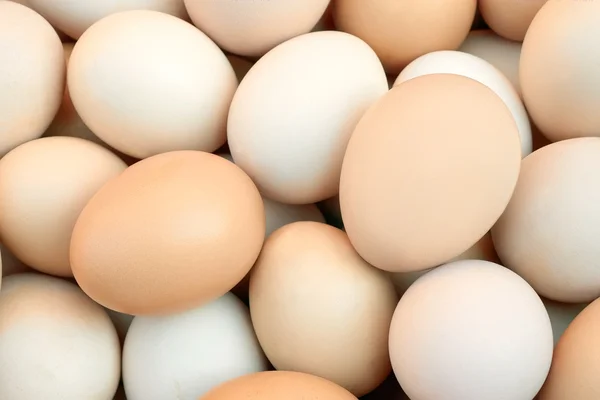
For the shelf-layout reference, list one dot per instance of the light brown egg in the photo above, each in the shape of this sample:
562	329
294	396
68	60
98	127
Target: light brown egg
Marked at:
172	232
59	344
146	82
317	307
278	385
44	185
251	28
401	30
559	69
428	171
32	75
548	232
510	18
75	17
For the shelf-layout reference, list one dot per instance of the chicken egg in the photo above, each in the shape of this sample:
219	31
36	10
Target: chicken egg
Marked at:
510	18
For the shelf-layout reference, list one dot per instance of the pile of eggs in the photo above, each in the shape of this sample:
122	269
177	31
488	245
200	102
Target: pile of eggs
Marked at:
300	199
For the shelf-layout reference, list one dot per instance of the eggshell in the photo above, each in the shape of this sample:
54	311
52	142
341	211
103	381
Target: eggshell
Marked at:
456	62
32	75
290	120
170	233
471	330
561	315
185	355
401	30
251	28
277	385
75	17
510	18
11	264
55	343
547	233
558	69
310	287
142	94
574	372
44	185
428	171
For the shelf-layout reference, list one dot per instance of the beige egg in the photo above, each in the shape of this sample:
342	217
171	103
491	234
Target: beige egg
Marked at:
59	344
44	185
510	18
32	75
143	95
251	28
310	287
547	233
290	120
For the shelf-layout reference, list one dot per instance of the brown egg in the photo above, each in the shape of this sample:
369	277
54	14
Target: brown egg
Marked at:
510	18
576	360
278	385
32	75
428	171
44	185
401	30
317	307
172	232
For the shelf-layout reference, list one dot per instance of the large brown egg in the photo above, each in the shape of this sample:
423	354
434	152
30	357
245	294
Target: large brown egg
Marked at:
170	233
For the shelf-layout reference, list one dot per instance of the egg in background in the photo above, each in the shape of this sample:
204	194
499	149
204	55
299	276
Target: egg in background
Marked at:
510	18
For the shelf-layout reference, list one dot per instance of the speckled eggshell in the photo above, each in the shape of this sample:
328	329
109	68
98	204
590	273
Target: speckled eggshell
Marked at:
510	18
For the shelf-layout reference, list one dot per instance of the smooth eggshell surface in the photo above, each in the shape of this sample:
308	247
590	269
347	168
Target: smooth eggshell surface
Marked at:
32	75
461	332
510	18
75	17
428	171
170	233
401	30
317	307
460	63
185	355
143	107
290	119
44	185
278	385
55	343
558	70
548	232
561	315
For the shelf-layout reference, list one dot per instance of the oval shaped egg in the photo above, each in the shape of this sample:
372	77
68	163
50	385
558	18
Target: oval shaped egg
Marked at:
218	338
310	287
401	30
170	233
44	185
460	332
428	171
55	343
278	385
510	18
290	121
75	17
142	94
32	75
547	232
561	315
251	28
470	66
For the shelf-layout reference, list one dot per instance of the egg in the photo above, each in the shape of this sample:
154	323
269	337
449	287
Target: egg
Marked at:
143	95
471	330
11	264
278	385
318	308
44	185
290	120
558	69
547	233
172	232
55	343
75	17
32	75
561	315
401	30
183	356
429	169
460	63
510	18
252	28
